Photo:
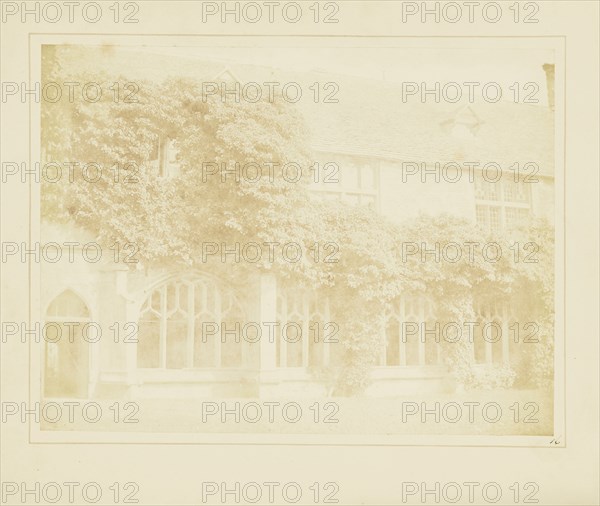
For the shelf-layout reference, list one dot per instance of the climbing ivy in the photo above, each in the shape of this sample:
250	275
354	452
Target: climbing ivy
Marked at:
171	219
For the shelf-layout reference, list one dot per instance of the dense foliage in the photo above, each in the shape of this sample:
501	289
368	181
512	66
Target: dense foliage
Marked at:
170	219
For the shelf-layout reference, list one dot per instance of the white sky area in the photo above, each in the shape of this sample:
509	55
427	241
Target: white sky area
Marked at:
504	65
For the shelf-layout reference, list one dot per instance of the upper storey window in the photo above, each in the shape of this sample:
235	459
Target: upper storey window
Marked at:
350	179
164	158
502	204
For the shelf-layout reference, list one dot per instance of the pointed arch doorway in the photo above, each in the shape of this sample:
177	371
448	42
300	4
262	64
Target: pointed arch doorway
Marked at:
66	353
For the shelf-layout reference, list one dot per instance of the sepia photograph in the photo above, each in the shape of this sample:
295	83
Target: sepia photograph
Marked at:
302	252
269	240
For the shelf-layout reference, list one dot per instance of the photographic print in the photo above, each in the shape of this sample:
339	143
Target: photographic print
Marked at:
269	241
299	252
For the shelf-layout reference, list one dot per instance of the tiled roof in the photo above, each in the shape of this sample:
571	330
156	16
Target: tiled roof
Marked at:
371	119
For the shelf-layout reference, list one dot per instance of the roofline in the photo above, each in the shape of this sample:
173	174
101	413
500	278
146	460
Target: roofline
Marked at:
399	158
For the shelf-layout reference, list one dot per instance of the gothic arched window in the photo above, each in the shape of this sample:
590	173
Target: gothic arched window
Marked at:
304	331
488	333
190	323
411	336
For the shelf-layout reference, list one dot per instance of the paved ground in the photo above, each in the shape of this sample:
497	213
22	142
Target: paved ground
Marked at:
510	412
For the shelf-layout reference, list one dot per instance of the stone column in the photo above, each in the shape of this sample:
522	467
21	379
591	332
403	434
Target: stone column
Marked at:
268	374
505	336
115	363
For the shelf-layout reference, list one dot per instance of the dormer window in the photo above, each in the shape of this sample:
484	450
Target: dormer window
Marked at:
462	131
226	76
464	124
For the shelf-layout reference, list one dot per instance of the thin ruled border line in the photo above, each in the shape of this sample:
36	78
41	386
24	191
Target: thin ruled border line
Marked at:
253	443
